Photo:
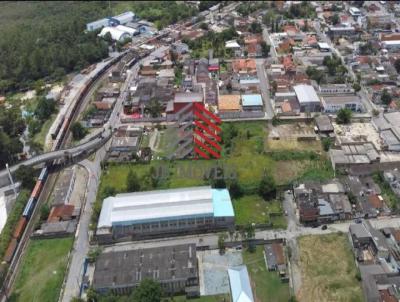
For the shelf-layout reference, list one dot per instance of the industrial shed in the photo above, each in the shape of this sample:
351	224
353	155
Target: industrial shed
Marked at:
308	98
159	212
116	34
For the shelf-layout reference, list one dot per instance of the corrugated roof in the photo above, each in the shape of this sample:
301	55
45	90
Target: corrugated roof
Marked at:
306	94
129	208
240	284
252	100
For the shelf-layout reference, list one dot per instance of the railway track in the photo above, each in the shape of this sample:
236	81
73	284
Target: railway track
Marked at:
48	184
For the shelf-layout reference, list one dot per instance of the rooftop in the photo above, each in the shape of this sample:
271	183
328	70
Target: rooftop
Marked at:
240	284
306	94
229	102
130	267
252	100
139	207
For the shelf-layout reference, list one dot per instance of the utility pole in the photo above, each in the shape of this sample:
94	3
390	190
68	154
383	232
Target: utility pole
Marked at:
11	180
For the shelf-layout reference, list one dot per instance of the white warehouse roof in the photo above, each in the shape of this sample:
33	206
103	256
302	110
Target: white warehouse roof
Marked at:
127	29
116	34
306	94
125	17
139	207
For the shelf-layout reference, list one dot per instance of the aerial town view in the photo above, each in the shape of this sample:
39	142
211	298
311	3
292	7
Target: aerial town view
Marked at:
204	151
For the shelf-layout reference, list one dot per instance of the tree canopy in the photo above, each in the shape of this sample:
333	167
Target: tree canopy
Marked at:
344	116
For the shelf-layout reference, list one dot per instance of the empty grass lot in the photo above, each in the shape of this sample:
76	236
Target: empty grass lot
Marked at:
267	286
42	271
253	209
246	157
328	270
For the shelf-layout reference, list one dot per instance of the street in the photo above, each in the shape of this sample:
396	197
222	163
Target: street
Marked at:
81	243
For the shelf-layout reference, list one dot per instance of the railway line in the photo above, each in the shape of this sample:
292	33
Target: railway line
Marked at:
45	182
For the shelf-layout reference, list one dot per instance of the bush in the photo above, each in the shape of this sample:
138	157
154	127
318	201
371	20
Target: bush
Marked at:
344	116
326	143
267	187
78	131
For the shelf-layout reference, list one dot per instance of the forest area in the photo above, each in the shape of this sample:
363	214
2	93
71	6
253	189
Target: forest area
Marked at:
47	40
42	42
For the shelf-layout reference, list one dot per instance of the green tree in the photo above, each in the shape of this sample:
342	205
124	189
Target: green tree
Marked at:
335	19
265	48
26	175
267	187
221	243
255	27
154	108
204	26
148	291
386	98
44	212
132	182
45	108
326	143
356	87
344	116
78	131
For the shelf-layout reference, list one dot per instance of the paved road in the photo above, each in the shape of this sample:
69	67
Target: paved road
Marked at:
264	87
81	244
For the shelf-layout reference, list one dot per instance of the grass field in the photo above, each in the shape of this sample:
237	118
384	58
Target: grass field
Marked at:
246	157
292	144
40	137
328	269
42	271
267	286
253	209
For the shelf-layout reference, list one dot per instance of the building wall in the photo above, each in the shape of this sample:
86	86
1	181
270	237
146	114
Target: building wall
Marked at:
310	107
354	106
178	226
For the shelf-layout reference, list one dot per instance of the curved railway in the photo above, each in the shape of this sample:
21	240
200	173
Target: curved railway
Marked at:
24	228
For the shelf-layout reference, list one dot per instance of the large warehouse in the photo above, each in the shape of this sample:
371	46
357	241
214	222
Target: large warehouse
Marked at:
174	267
155	213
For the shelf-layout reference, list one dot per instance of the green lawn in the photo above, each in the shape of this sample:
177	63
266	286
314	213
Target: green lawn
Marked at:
42	271
40	138
245	156
253	209
267	286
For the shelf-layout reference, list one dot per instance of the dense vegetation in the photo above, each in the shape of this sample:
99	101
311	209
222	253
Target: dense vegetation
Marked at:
47	40
12	220
11	125
211	40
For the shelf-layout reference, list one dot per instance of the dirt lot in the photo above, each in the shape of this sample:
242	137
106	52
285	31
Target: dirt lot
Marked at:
328	271
289	137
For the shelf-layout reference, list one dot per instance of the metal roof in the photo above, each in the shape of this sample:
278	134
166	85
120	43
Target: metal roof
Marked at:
252	100
131	208
306	94
115	33
240	284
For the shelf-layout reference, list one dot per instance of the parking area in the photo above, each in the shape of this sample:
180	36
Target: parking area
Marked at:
213	270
